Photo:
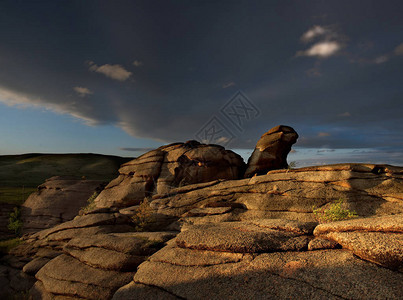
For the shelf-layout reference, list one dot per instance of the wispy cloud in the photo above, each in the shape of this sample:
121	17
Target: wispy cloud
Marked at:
323	134
322	49
312	33
227	85
398	50
20	100
381	59
82	91
345	114
116	72
137	63
328	42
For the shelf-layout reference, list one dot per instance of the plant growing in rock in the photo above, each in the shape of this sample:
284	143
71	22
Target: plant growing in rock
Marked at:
14	221
335	212
91	203
143	217
292	165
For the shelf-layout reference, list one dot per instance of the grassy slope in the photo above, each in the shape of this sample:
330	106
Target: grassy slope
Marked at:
21	174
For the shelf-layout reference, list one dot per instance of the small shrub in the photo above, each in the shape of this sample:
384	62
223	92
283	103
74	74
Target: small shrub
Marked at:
335	212
14	221
143	217
91	203
292	165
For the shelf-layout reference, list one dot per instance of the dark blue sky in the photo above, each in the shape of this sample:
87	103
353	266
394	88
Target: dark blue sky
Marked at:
110	76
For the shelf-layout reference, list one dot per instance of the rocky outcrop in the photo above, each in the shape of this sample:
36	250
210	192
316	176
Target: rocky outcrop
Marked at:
58	200
271	151
88	257
234	261
288	194
239	239
168	167
95	267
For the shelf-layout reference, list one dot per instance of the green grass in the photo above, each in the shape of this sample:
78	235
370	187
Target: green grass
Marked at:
7	245
15	195
21	174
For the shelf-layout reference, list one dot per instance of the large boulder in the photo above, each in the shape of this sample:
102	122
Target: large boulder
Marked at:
271	151
167	167
58	200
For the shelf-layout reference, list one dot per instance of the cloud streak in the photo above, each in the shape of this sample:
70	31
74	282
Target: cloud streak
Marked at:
82	91
116	72
329	44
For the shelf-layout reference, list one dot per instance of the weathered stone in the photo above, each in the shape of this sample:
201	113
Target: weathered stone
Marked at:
112	252
67	276
240	237
184	257
286	225
331	274
135	291
271	151
35	265
393	223
383	248
322	243
58	200
290	194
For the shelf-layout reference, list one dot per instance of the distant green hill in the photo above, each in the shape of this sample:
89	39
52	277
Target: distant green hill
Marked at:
30	170
21	174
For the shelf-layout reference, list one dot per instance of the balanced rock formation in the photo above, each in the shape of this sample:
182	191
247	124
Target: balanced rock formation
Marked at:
271	151
167	167
58	200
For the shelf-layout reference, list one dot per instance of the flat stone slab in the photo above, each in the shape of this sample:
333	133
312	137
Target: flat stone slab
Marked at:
185	257
392	223
240	237
385	249
286	225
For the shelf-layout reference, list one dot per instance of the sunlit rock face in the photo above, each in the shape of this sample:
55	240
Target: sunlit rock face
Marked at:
271	151
167	167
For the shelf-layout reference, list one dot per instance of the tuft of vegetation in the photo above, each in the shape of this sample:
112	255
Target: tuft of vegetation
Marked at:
14	221
91	203
7	245
335	212
292	165
143	217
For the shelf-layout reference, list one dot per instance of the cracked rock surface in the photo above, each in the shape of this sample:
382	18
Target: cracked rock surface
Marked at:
208	262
